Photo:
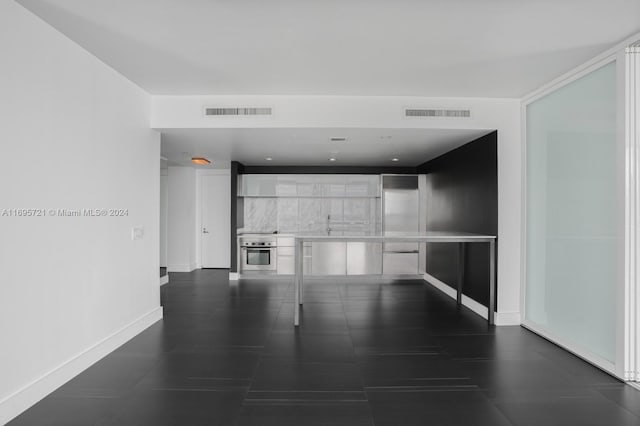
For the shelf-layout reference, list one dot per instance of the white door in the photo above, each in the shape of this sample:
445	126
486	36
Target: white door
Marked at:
216	221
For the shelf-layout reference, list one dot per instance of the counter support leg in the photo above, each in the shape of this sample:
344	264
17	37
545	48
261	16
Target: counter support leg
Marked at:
297	282
301	301
461	253
492	281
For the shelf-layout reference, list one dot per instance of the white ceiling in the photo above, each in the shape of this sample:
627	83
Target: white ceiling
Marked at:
470	48
312	147
449	48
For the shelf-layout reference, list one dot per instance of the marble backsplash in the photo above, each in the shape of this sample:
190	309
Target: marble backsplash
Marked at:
260	214
293	214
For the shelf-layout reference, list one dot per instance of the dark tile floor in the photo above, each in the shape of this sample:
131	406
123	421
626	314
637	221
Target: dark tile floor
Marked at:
366	353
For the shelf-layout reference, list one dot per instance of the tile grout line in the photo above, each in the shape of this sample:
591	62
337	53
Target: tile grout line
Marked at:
353	348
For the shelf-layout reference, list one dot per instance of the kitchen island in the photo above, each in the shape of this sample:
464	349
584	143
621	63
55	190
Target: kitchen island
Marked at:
460	238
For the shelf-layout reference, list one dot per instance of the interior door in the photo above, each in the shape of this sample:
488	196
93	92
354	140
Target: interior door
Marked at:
216	221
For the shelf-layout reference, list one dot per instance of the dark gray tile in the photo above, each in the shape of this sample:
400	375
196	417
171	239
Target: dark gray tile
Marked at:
282	374
79	410
408	369
625	396
573	411
511	375
113	375
438	406
319	413
218	364
178	407
368	351
309	346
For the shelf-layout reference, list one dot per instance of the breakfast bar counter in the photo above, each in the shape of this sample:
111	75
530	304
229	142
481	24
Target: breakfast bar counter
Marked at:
460	238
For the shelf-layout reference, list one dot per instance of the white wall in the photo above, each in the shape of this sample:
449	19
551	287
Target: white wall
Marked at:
387	112
75	134
164	211
181	220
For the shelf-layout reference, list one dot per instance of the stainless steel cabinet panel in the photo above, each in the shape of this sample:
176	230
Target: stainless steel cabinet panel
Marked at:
329	258
364	258
286	255
306	255
286	264
286	251
399	263
401	209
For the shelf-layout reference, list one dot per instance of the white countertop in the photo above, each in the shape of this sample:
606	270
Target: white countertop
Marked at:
434	236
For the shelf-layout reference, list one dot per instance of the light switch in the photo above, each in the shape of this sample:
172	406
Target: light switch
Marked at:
137	233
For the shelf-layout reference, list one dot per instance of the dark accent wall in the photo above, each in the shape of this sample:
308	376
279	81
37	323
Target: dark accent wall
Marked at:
462	195
237	205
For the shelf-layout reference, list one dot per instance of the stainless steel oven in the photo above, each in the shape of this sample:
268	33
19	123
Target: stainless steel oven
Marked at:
258	253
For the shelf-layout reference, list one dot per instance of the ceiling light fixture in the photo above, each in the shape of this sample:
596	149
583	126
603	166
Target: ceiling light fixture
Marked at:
332	159
395	160
268	158
201	161
338	139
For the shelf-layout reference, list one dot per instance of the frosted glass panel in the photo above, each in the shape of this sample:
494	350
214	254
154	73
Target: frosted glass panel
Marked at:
575	213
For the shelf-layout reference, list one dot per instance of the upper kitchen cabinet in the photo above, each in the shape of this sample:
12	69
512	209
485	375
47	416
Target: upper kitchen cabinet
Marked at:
323	186
257	185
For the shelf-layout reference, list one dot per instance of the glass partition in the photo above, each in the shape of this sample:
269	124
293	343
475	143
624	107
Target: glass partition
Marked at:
575	214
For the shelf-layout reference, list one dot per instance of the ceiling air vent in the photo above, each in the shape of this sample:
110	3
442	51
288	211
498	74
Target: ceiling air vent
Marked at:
212	112
453	113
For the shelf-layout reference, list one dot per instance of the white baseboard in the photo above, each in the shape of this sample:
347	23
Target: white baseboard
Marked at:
21	400
508	318
574	348
233	276
164	279
182	268
466	301
501	318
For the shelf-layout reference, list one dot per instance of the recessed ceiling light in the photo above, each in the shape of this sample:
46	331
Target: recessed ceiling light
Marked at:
395	159
201	161
268	158
332	159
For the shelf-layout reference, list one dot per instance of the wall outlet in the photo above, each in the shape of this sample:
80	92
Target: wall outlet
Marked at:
137	232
